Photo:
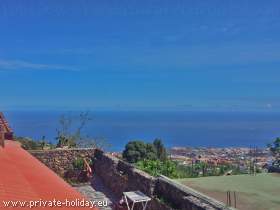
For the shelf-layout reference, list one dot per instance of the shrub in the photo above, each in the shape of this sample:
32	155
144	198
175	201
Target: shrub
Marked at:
156	167
30	144
78	164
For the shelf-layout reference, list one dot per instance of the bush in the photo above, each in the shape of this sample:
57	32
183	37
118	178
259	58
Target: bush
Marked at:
78	164
30	144
174	170
156	167
139	150
275	148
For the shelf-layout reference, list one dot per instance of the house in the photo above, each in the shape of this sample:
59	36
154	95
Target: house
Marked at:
24	180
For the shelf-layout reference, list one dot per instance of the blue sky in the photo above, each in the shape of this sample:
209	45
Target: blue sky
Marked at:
128	54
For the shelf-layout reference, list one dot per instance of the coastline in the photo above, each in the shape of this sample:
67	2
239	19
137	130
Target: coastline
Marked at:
176	129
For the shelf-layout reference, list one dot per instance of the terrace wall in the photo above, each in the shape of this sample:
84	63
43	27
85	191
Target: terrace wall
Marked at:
120	177
61	160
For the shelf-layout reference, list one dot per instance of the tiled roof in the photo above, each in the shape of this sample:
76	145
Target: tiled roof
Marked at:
23	177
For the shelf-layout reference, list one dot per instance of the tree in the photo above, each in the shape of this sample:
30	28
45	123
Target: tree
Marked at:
138	150
151	153
160	149
275	148
70	133
67	134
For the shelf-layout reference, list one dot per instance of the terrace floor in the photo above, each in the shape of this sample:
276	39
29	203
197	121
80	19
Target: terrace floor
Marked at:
96	191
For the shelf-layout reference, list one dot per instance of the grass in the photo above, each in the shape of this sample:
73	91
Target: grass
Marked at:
261	192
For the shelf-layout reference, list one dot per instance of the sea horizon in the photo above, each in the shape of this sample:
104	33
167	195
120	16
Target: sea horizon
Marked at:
175	128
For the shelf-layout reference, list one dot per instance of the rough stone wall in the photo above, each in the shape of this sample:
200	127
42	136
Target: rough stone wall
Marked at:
120	177
60	160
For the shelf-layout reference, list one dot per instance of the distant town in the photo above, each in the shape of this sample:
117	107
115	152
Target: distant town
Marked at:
240	157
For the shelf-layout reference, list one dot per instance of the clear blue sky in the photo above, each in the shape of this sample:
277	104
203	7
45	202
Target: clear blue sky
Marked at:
144	54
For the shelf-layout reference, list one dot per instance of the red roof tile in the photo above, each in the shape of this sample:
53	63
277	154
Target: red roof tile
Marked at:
23	177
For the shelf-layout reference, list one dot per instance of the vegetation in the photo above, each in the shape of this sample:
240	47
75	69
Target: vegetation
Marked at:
161	152
138	150
275	148
175	170
156	167
87	142
78	164
70	133
78	173
203	169
30	144
153	159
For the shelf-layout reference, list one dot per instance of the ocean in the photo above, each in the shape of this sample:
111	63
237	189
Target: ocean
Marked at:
175	128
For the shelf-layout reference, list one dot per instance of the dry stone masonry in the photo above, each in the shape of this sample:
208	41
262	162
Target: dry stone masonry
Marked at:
61	160
120	176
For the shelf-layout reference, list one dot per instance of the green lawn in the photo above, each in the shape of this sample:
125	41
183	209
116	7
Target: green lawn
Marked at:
261	192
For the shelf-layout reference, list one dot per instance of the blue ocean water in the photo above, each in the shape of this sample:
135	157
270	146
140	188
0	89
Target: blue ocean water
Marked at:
207	129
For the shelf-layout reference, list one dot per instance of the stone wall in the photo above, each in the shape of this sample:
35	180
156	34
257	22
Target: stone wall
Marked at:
61	160
120	177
